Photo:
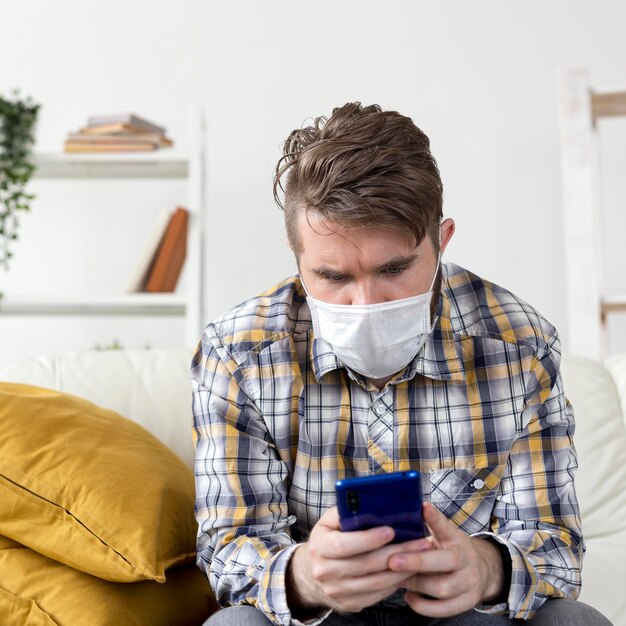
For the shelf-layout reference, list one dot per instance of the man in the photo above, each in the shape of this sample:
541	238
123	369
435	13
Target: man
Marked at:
379	357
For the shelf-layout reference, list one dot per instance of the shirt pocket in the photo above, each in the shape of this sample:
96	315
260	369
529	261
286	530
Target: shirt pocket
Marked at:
467	496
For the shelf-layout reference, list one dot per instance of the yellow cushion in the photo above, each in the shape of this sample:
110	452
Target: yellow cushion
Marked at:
37	591
91	489
14	610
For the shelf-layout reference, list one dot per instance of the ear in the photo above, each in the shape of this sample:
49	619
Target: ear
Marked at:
289	244
447	230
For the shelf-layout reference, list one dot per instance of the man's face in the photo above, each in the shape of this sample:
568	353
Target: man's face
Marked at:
343	264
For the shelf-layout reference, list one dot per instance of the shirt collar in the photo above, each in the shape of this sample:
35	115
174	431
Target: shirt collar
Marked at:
440	358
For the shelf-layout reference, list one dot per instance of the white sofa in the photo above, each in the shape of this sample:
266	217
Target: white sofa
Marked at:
152	388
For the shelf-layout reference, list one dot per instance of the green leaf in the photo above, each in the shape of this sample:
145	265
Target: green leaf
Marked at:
18	117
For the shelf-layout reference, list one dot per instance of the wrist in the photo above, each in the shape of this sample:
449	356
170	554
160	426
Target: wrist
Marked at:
303	600
494	571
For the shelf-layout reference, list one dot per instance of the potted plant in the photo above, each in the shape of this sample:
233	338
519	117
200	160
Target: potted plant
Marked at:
17	127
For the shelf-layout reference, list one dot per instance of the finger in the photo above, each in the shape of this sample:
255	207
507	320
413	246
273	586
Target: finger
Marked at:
384	581
353	603
439	608
415	545
400	564
428	561
442	529
342	545
330	519
369	563
436	586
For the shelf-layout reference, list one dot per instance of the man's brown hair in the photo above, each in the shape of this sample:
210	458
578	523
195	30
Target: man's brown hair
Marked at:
362	166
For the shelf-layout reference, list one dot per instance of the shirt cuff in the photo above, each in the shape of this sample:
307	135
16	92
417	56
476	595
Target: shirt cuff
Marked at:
274	594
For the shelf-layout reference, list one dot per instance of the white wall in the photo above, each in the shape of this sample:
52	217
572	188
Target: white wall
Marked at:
478	77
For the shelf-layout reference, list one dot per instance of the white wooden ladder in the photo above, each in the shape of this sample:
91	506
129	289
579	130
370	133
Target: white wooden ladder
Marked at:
587	302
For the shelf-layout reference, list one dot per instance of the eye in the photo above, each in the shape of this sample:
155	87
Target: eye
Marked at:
332	277
395	270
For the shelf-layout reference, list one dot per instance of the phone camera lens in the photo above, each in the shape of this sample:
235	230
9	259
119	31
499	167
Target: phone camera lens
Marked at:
353	501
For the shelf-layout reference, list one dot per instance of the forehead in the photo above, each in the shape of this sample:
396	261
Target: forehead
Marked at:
329	242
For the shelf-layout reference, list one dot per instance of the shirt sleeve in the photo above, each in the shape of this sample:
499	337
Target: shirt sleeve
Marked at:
537	516
244	541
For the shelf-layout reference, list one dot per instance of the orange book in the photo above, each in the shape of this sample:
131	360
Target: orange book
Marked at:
170	256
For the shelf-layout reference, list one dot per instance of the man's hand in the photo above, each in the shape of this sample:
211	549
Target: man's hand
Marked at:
344	571
459	574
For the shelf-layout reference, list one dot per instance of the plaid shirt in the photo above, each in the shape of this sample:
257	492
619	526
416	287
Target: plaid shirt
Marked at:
480	412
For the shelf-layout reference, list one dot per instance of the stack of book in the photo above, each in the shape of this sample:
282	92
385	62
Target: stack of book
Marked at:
162	261
126	132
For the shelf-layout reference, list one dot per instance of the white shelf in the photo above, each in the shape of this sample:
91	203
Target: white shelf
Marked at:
128	304
158	164
163	164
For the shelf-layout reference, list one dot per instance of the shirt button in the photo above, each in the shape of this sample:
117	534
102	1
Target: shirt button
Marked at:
379	410
478	484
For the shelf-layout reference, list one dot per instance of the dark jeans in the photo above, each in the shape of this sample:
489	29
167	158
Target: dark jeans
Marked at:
552	613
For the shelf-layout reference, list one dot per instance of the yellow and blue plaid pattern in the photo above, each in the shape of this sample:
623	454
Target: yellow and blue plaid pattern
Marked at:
480	412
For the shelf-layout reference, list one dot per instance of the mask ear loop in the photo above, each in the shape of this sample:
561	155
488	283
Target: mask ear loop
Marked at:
432	284
308	295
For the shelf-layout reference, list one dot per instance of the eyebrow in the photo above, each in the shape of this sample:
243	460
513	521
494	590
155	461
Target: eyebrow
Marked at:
403	260
325	271
397	261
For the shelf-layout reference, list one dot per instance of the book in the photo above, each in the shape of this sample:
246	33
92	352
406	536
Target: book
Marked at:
72	146
149	138
138	279
120	130
130	119
124	132
170	256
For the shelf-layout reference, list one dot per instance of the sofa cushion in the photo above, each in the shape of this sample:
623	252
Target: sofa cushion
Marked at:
37	591
91	489
150	387
601	446
617	366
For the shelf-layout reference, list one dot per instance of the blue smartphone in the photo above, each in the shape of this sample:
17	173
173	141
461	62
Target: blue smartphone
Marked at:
393	499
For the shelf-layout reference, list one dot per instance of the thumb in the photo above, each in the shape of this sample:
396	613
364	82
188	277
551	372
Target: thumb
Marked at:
442	529
330	519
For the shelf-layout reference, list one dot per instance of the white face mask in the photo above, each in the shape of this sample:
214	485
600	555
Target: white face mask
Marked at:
375	340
